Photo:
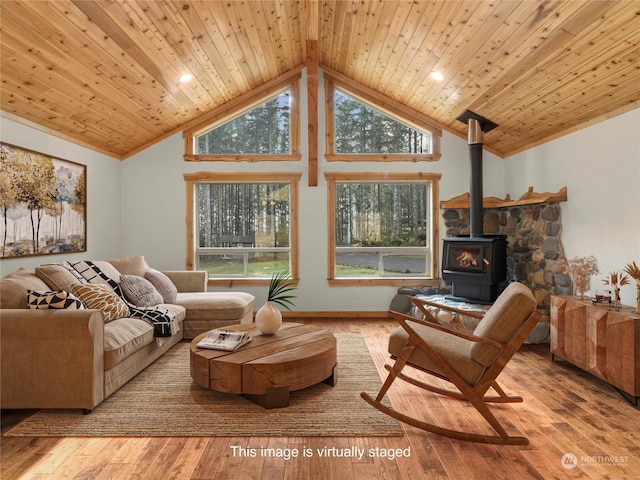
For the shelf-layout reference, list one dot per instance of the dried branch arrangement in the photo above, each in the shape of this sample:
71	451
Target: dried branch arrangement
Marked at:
616	279
581	269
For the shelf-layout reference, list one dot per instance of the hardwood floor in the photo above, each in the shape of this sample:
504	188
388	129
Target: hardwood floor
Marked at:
565	411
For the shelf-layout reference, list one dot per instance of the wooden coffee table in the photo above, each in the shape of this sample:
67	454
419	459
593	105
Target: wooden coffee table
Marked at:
267	368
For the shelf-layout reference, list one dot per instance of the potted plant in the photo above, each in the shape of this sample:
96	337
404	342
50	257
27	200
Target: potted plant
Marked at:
268	317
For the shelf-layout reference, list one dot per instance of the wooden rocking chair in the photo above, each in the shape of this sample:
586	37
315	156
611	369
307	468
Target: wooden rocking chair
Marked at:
471	362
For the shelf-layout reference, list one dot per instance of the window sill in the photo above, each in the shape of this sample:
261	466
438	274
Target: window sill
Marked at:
384	282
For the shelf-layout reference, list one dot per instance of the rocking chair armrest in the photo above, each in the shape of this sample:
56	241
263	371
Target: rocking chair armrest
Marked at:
420	303
403	319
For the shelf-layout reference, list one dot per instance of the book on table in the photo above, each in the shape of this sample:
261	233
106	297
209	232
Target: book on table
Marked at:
228	340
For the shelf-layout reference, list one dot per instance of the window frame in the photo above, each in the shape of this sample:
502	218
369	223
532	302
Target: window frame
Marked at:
241	105
385	105
431	278
192	179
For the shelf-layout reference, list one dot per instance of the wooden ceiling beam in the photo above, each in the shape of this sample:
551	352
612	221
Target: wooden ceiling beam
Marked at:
312	19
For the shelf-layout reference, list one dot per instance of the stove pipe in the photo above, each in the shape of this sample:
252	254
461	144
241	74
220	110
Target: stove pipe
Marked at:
477	126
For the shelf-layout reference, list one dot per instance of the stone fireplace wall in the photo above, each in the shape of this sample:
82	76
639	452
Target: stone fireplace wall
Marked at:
535	255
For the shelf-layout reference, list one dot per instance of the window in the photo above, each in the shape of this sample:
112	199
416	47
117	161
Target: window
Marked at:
243	227
263	130
382	228
261	125
362	126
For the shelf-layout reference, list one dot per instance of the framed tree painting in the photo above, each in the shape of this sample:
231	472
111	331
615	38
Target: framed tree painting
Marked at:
43	203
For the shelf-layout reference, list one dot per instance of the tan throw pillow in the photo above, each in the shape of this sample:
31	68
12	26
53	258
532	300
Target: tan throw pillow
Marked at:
139	291
163	284
130	265
99	296
13	288
57	276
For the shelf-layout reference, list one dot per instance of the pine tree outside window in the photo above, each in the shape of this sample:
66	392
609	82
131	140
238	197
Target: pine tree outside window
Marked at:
261	125
264	130
382	228
244	226
362	127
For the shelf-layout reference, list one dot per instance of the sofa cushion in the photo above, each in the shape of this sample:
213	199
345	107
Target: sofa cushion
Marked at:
123	337
216	305
13	288
57	276
163	284
139	291
130	265
99	296
177	311
57	299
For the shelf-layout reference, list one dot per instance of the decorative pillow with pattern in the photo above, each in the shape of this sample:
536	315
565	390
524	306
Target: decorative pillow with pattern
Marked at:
58	299
99	296
139	291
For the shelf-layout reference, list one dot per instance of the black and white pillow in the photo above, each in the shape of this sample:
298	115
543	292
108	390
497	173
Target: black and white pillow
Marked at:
56	299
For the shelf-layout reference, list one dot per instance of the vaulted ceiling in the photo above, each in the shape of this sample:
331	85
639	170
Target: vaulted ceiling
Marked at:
105	74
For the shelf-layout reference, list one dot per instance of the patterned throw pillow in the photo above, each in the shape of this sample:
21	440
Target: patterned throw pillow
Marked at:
99	296
139	291
58	299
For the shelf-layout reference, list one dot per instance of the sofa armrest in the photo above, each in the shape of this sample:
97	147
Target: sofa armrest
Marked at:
188	280
51	358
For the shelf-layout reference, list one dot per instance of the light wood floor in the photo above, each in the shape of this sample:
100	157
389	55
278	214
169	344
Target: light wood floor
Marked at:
565	412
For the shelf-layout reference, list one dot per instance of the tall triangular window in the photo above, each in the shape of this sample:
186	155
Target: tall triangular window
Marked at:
363	126
261	125
263	130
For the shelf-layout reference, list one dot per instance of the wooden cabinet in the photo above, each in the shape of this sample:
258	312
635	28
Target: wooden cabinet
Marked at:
598	339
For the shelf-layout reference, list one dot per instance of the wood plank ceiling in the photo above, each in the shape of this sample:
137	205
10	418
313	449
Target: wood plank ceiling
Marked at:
106	74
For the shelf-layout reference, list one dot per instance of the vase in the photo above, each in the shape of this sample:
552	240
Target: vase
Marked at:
616	297
268	319
638	301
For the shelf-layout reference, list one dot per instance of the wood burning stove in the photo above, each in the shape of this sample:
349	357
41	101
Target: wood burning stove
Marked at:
475	265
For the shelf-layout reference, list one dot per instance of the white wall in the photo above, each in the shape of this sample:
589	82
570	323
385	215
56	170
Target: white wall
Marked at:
154	194
137	207
103	194
600	166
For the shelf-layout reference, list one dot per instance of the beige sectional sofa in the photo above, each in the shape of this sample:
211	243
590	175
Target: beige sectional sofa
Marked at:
72	358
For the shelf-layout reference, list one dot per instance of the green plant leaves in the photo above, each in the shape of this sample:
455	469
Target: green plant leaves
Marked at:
279	290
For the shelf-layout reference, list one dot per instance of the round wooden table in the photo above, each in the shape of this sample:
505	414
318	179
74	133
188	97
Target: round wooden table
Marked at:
267	368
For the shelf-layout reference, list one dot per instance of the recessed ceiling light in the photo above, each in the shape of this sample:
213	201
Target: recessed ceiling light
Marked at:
184	78
437	76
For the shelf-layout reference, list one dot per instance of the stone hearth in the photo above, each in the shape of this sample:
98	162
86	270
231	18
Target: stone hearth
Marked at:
535	255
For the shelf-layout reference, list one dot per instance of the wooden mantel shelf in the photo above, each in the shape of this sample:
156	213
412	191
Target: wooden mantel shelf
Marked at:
529	198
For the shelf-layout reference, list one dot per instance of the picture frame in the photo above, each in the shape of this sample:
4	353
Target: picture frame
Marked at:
43	203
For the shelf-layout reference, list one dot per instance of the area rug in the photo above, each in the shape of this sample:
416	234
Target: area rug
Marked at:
163	401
